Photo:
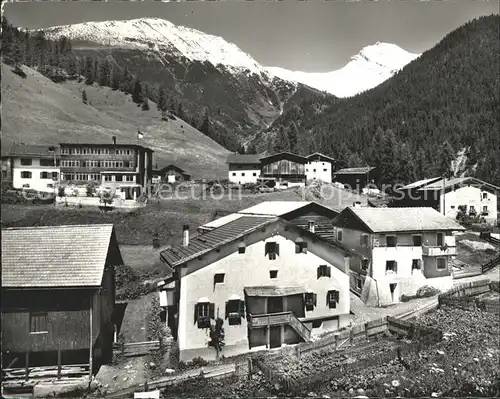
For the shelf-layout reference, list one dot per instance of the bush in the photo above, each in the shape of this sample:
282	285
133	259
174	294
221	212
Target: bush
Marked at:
427	291
18	71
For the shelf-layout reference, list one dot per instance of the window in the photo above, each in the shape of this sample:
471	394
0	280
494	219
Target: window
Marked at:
219	278
55	175
314	170
415	264
50	185
26	186
26	161
439	239
452	207
255	174
364	263
235	310
391	241
38	322
44	175
359	283
4	174
119	177
243	173
25	175
364	240
324	170
310	300
300	246
472	210
47	162
324	271
441	263
234	174
485	210
273	249
129	178
417	240
332	299
273	274
485	195
241	248
391	266
65	151
339	235
203	312
108	177
317	323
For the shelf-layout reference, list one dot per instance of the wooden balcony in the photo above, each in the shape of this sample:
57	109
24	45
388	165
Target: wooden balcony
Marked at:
276	319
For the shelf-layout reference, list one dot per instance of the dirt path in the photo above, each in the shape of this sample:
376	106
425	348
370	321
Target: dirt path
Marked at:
134	327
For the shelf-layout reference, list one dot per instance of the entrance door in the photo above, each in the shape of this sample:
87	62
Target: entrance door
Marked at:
274	304
275	337
392	287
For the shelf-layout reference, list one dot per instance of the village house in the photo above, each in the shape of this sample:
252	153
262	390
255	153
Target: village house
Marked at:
125	167
403	249
243	168
320	167
6	163
170	174
34	167
356	178
58	295
285	168
304	214
270	281
468	195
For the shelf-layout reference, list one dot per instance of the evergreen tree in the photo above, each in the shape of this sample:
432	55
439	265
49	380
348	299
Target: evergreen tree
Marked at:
281	142
251	149
145	104
421	165
137	96
72	70
89	71
205	125
172	107
180	111
241	149
84	97
104	73
161	104
115	76
270	145
446	156
127	84
355	161
293	136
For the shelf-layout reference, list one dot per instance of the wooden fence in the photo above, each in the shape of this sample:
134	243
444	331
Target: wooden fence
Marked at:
463	296
425	337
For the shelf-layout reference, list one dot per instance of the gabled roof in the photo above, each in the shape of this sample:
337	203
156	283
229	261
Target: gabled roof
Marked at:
284	155
320	156
170	166
390	220
56	256
121	142
420	183
450	184
34	151
353	171
206	242
243	159
266	208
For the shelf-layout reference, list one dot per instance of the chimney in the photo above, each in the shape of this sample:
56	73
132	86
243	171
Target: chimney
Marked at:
185	235
311	227
114	140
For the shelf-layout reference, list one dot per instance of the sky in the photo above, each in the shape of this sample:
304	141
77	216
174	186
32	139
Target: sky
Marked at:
312	36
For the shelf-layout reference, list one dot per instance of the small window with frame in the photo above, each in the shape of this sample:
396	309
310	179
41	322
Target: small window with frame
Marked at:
273	274
300	246
332	299
441	263
415	264
203	312
340	235
364	240
219	278
391	241
272	249
391	266
364	263
310	301
38	323
324	271
417	240
235	311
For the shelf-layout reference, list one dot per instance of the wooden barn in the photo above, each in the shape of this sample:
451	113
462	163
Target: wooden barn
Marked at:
285	167
58	297
171	174
356	178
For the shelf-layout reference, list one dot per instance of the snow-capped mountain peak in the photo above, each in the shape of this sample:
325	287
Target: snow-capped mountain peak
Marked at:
159	34
373	65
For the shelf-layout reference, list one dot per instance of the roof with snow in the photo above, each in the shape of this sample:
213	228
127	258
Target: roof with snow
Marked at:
390	220
353	171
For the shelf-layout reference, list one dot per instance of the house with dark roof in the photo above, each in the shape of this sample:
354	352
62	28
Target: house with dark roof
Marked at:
356	178
269	280
320	167
170	174
465	195
285	168
35	167
243	168
58	296
403	249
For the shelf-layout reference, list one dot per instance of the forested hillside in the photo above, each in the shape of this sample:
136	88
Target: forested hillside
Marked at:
413	124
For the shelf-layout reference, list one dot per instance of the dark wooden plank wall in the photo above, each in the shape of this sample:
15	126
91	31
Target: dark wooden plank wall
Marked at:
283	167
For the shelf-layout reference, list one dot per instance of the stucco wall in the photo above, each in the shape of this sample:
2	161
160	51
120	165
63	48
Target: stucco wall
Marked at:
319	170
35	182
470	196
252	269
243	175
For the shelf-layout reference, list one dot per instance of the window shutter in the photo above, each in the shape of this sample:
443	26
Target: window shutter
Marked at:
195	313
267	249
211	310
315	299
297	249
319	272
395	266
336	296
329	271
242	308
361	239
277	249
227	310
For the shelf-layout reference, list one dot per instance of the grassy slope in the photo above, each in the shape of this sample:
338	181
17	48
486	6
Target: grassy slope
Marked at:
37	110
